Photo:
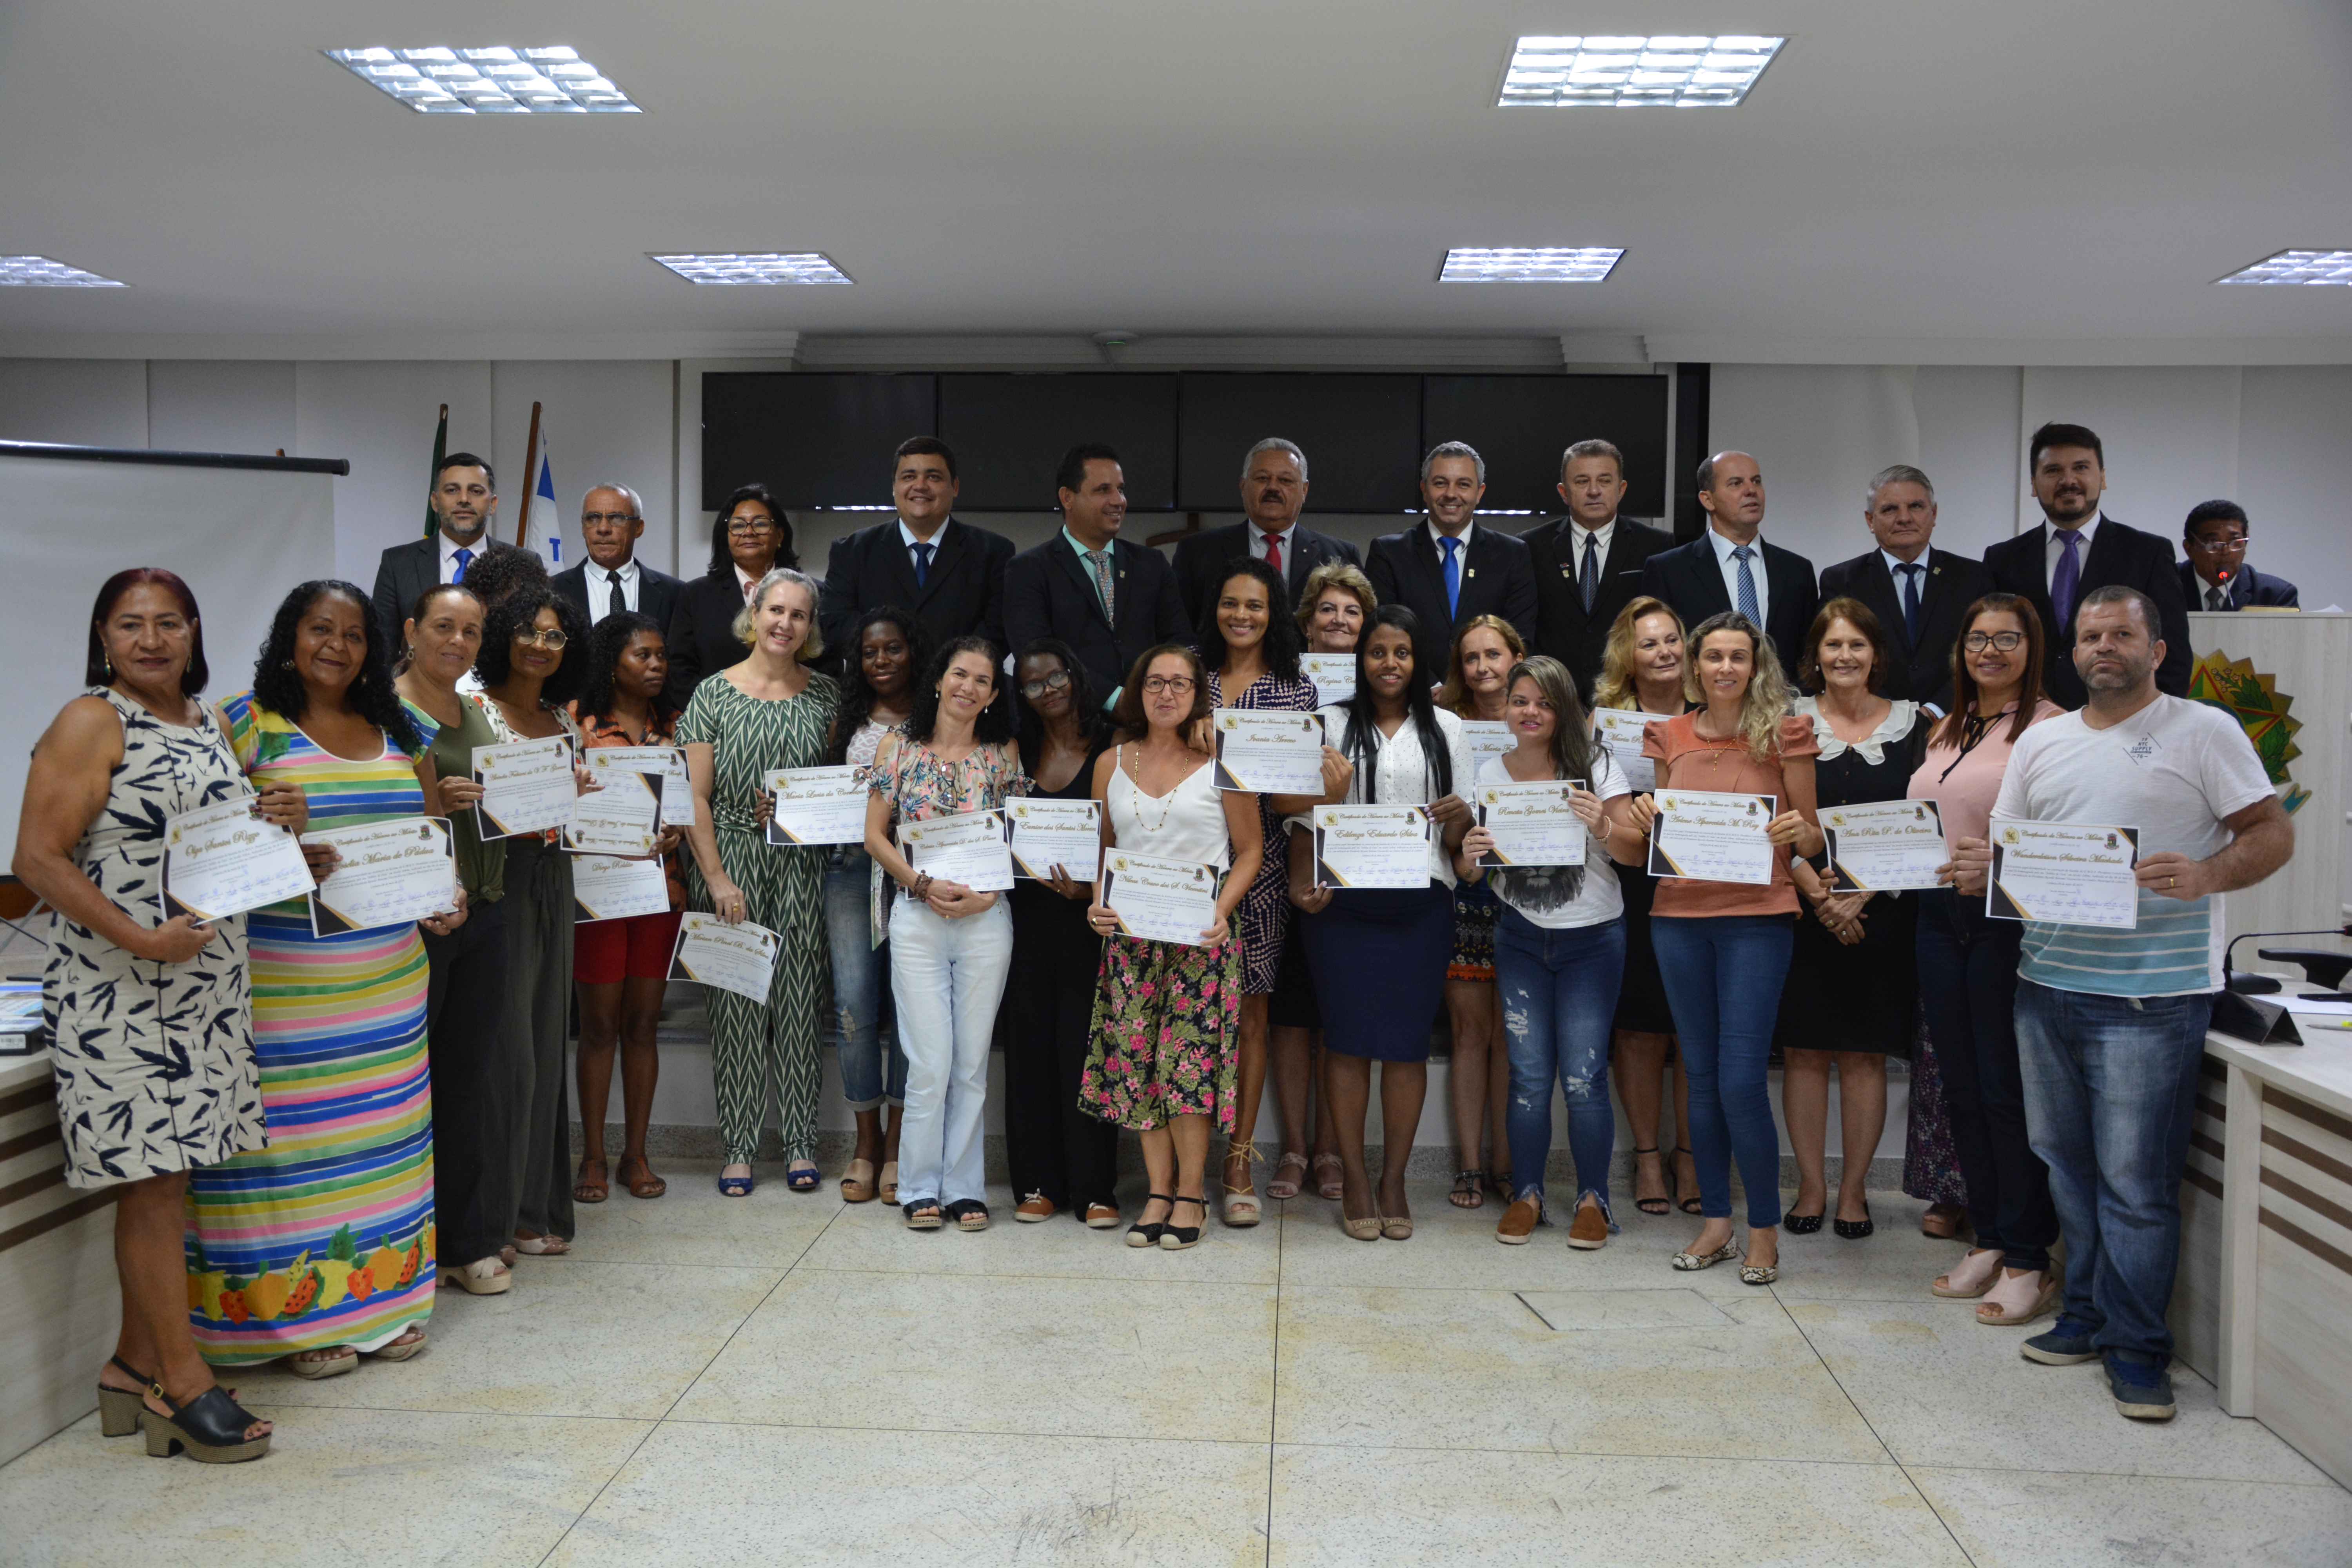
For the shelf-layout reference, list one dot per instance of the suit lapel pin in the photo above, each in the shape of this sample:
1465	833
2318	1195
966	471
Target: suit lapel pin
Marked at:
1471	573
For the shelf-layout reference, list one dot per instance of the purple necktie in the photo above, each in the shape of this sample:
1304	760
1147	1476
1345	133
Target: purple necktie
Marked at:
2068	580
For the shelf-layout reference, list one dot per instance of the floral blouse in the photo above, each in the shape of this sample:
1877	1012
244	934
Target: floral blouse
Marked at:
919	785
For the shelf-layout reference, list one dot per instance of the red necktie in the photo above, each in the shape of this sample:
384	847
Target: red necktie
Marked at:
1274	553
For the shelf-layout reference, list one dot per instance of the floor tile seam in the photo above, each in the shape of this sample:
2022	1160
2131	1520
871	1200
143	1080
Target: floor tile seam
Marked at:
739	1422
1554	1451
253	1403
1057	1278
1273	1393
2325	1482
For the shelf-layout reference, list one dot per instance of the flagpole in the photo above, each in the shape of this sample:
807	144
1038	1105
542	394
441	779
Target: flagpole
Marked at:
529	481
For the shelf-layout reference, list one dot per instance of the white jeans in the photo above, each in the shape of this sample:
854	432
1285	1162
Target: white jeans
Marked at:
946	978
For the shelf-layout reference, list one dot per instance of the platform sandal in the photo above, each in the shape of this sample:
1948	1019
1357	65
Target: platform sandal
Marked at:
1142	1234
1174	1237
119	1408
210	1429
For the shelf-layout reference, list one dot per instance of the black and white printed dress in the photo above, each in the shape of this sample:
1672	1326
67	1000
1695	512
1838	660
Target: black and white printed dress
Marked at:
154	1061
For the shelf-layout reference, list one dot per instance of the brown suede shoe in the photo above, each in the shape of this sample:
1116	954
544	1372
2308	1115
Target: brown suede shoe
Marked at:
1034	1207
1590	1229
1519	1222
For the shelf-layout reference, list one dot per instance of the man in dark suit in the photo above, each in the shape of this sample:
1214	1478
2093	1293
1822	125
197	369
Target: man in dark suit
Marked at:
1108	598
2216	577
1453	569
948	573
2075	550
1274	492
464	501
611	521
1588	564
1917	592
1730	568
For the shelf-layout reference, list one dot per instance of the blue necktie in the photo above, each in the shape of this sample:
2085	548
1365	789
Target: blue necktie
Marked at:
464	558
1911	602
1742	553
1453	572
1587	577
922	561
2068	580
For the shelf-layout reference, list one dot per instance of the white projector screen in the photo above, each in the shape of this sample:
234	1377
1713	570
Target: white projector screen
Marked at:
241	536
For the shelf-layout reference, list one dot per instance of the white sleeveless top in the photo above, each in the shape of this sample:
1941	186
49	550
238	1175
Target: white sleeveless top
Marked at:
1188	823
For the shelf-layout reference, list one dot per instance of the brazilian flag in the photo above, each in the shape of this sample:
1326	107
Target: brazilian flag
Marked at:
440	450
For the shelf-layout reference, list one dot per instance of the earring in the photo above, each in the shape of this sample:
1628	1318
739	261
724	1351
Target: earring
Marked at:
108	660
285	664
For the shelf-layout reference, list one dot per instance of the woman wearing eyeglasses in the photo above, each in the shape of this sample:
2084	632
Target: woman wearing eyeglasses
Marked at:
750	538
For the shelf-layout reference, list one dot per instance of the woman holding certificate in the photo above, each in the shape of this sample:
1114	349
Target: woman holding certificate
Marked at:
1477	691
328	1231
1379	953
1968	971
149	1020
1559	941
1252	644
1852	994
1735	796
534	660
1168	1000
1641	670
772	711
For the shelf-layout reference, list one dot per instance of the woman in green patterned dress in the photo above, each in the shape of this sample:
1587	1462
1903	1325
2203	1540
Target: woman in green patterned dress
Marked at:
770	712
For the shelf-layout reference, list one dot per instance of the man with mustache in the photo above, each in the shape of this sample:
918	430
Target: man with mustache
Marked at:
465	498
2077	549
1274	492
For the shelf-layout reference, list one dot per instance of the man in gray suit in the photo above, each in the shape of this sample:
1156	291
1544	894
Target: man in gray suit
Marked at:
465	499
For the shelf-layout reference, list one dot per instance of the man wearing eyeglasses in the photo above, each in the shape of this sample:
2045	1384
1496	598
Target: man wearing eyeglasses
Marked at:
611	521
947	573
2216	577
464	502
1918	592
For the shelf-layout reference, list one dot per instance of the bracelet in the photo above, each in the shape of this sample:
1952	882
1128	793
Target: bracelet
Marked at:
922	888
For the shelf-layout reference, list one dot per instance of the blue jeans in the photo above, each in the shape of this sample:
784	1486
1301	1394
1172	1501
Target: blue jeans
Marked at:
863	1021
1560	997
2110	1088
1723	976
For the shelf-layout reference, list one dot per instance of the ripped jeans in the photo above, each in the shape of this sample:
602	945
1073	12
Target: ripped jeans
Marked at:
873	1066
1560	999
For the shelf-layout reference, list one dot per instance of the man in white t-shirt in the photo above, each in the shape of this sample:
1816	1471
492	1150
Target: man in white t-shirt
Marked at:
2111	1024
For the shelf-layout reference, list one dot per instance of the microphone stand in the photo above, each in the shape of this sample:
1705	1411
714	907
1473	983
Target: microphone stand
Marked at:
2319	967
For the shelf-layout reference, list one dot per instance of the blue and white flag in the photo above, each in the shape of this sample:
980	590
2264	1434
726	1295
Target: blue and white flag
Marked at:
543	522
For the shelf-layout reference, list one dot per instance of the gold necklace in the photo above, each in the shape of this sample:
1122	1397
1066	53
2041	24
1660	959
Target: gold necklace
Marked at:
1167	802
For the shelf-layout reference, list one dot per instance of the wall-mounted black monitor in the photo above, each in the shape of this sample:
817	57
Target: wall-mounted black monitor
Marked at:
819	439
1521	424
1008	432
1361	435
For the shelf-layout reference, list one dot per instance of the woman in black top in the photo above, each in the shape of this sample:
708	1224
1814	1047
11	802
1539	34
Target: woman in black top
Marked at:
750	538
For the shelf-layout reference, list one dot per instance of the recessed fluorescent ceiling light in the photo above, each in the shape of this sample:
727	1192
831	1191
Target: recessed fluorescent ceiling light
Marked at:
1681	72
1589	265
799	267
40	272
2298	267
498	80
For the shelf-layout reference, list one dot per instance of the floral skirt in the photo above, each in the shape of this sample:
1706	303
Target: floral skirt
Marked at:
1931	1165
1165	1033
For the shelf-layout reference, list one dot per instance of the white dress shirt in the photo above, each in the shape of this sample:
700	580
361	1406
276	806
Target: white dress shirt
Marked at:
1257	540
907	537
449	548
1723	549
1601	537
2054	551
744	582
600	588
1462	544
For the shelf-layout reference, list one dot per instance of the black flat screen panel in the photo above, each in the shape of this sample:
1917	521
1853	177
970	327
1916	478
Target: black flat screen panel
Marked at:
1009	432
1361	435
818	439
1521	424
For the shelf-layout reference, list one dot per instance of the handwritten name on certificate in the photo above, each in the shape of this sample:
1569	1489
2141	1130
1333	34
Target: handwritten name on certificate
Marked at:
222	861
1160	899
816	805
1372	846
527	786
1333	676
1533	824
2065	873
1050	832
968	848
1898	844
607	888
1485	737
1620	730
738	958
1268	753
670	762
623	817
392	873
1710	837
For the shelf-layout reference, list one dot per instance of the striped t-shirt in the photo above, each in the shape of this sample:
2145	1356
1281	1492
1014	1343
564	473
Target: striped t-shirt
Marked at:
2175	770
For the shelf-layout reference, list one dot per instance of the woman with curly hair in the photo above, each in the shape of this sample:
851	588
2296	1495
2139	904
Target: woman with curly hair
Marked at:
319	1248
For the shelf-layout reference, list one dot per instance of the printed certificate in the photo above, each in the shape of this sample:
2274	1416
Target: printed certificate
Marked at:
2063	873
623	817
527	786
968	848
1268	753
1620	730
709	951
1160	899
816	805
1372	846
605	887
1533	824
1898	844
1050	832
670	762
1482	738
223	860
1333	676
1710	837
392	873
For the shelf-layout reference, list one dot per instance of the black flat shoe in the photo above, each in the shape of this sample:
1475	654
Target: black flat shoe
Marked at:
1853	1229
1142	1234
210	1427
1802	1224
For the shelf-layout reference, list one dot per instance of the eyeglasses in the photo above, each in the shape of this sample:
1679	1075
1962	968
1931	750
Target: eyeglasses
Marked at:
744	527
2005	642
1179	684
2236	542
1033	689
617	518
552	638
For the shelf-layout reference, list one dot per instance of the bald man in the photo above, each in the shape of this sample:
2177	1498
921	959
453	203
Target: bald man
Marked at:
1732	567
612	519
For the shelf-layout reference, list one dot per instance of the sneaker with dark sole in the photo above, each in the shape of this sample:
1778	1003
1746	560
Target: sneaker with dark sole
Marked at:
2143	1393
2068	1343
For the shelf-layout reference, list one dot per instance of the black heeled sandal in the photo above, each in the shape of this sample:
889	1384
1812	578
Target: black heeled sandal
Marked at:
1142	1234
1174	1237
1667	1204
119	1408
211	1427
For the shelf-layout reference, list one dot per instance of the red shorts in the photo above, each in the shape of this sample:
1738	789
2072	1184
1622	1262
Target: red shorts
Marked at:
605	953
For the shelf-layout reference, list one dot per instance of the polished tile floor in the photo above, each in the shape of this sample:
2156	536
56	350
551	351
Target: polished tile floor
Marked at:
789	1380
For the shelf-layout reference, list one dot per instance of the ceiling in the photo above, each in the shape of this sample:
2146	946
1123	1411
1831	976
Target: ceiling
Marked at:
1917	182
